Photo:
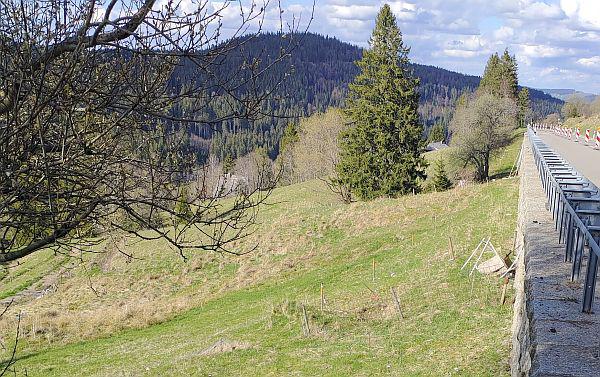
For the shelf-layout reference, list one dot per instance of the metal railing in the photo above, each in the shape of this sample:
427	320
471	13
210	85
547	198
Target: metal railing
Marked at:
575	205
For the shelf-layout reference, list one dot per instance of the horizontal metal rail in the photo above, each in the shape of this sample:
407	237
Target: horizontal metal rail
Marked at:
575	205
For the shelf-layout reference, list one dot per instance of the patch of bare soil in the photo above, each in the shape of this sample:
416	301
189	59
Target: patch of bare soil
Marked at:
224	345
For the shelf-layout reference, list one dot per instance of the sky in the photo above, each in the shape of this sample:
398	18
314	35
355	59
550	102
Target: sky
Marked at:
556	42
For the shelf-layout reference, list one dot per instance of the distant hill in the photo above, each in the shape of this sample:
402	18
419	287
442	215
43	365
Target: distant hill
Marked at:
322	67
565	94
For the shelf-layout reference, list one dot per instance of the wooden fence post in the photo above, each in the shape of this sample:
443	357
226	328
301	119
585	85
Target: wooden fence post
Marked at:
306	325
322	298
373	270
396	301
504	287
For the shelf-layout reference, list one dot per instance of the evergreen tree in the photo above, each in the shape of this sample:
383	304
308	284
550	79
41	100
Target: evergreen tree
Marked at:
437	133
381	151
524	106
228	164
490	81
441	182
290	136
463	100
509	76
285	160
183	209
500	76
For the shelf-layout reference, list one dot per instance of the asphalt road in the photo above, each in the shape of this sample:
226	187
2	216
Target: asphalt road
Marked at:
585	159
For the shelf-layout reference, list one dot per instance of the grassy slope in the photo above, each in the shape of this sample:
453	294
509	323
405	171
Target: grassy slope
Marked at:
452	325
30	273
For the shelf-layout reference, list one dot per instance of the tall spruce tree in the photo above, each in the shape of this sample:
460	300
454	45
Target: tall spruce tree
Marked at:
524	104
500	76
381	151
510	80
492	76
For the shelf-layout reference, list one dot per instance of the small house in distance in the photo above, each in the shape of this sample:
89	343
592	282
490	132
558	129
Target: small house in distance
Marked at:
435	146
230	184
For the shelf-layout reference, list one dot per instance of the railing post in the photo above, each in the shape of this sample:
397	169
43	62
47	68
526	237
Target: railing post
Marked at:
590	282
569	243
562	226
577	256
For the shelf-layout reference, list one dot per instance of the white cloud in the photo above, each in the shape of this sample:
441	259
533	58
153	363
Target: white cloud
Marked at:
403	11
353	12
586	13
594	61
570	7
454	53
543	51
548	71
503	33
471	43
540	10
459	24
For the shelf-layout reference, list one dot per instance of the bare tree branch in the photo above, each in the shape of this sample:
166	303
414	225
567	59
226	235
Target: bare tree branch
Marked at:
96	102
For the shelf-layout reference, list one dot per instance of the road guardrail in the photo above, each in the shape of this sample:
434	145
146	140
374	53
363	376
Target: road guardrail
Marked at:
574	202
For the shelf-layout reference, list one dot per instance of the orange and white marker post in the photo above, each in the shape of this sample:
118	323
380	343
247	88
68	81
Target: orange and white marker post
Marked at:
577	134
598	139
587	136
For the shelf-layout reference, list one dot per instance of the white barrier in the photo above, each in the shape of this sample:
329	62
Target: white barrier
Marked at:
591	138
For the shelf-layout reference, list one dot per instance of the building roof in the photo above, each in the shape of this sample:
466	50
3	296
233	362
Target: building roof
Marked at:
435	146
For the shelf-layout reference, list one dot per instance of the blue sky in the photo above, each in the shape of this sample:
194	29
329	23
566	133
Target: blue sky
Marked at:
557	42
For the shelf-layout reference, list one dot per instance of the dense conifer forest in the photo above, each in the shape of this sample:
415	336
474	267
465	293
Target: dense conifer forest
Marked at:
312	78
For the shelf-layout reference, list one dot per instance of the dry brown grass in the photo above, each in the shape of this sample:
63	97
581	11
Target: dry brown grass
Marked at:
129	294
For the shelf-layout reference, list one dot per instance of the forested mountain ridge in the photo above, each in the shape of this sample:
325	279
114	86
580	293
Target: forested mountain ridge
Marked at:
316	76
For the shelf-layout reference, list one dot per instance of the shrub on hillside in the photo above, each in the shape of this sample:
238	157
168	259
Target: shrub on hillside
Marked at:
313	151
440	181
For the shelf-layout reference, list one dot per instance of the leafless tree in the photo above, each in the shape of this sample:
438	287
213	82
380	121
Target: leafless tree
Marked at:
89	139
480	127
257	170
553	119
316	152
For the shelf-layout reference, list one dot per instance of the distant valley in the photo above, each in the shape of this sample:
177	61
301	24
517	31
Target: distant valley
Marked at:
565	94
